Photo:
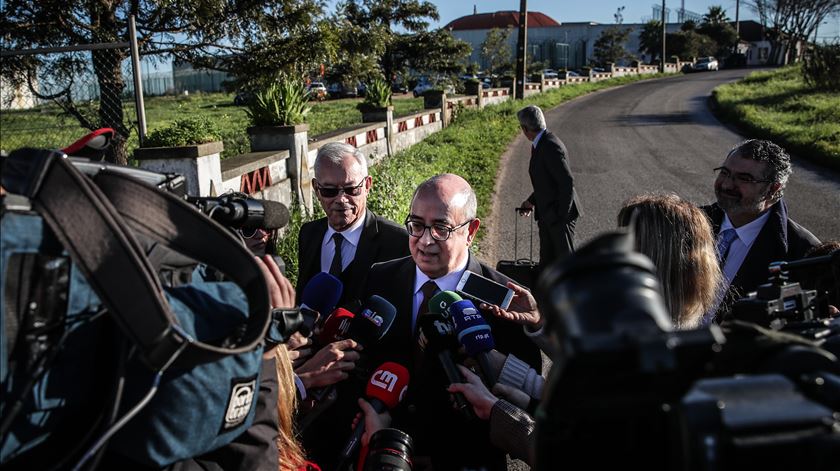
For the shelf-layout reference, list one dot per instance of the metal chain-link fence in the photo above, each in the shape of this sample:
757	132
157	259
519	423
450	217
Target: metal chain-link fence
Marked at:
50	97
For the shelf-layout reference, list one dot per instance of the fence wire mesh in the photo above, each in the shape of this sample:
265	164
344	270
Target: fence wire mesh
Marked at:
49	99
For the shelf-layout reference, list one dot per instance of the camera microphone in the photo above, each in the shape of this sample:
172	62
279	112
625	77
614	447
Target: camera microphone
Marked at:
241	212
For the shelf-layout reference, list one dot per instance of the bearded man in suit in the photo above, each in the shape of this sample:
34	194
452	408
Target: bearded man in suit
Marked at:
554	200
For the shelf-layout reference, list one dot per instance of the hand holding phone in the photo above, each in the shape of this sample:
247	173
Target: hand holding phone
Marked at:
485	290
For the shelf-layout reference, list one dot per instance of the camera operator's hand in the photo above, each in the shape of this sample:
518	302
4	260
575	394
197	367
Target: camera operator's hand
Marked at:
330	365
522	310
475	392
373	422
281	293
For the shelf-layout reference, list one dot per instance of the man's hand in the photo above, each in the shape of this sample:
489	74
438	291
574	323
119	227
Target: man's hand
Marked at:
516	397
522	310
373	422
299	349
475	392
330	365
525	208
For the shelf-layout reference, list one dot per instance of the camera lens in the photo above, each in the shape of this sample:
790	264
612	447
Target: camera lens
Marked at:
390	450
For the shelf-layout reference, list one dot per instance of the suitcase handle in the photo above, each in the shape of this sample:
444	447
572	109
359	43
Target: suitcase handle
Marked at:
519	210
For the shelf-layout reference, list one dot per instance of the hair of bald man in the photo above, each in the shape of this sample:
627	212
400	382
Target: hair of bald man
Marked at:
466	195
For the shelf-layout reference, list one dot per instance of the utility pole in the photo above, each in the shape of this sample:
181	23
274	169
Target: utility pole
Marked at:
662	62
521	47
737	20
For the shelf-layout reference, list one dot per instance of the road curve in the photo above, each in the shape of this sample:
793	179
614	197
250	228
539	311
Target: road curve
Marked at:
656	135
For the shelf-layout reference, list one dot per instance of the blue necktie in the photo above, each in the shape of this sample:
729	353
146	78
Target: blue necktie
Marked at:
724	242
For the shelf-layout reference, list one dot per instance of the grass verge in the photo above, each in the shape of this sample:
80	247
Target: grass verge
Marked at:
471	147
779	106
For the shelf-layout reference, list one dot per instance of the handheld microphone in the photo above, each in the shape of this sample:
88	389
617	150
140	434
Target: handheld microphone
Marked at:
336	327
439	304
246	213
475	335
373	321
384	390
440	338
322	293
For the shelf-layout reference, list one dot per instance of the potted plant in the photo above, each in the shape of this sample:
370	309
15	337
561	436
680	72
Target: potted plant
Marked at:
277	112
377	102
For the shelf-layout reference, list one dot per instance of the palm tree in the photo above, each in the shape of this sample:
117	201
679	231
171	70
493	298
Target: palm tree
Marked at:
715	15
650	39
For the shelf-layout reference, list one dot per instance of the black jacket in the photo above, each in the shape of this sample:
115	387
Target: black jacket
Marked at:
781	239
381	240
426	413
554	190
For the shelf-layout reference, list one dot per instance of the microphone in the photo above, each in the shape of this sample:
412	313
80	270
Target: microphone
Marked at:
440	338
373	322
246	213
439	304
336	327
474	334
322	293
384	390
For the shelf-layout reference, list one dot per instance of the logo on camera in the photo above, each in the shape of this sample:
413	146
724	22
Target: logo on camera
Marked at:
240	402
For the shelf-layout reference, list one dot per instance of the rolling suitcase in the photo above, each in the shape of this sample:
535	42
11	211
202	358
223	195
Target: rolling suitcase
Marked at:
521	270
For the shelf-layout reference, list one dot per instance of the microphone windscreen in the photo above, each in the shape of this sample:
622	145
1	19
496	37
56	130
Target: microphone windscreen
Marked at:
440	302
388	384
336	327
322	293
437	331
472	330
275	215
373	321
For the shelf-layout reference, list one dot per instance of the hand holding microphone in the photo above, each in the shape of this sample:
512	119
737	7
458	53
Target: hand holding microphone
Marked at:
330	365
475	392
474	334
440	341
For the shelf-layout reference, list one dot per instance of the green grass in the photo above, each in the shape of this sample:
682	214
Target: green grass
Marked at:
471	146
779	106
48	126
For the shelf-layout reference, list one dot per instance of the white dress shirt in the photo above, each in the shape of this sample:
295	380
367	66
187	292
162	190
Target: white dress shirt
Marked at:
537	138
741	245
348	247
447	282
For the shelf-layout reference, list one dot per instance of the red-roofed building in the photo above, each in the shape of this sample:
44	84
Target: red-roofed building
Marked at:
500	19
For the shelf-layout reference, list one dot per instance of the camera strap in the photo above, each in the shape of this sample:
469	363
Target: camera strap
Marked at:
99	241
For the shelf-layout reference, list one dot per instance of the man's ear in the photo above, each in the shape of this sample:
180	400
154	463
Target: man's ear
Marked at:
473	230
773	190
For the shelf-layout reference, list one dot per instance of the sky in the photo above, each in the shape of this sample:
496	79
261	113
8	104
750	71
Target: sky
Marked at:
602	11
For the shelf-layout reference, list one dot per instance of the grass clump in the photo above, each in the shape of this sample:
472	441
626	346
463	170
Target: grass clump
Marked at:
184	132
780	106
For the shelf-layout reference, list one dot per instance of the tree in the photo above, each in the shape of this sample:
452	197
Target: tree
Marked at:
496	52
791	23
609	47
716	26
184	29
715	15
688	44
650	39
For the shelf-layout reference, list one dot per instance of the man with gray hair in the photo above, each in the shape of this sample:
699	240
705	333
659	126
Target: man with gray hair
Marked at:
350	238
750	218
554	200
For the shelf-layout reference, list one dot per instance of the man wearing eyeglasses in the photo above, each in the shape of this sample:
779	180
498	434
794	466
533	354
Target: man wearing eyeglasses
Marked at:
350	238
442	225
750	218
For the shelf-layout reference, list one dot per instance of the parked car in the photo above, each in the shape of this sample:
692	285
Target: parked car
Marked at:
571	73
550	73
421	88
338	90
706	63
317	91
399	87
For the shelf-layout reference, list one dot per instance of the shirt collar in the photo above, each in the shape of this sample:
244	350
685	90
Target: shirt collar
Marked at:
447	282
749	231
352	234
537	138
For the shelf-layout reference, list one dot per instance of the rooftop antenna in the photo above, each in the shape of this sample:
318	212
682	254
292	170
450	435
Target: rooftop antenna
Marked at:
475	9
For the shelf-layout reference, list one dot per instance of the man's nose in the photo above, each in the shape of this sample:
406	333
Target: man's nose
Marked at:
426	238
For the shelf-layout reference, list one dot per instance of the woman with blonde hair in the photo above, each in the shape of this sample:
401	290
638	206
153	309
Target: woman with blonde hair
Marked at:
292	457
677	237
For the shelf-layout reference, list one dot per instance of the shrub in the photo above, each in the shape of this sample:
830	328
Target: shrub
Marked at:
184	132
821	69
281	104
378	95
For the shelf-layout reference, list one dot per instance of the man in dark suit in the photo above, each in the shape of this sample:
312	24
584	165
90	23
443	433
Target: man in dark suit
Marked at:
750	218
554	200
442	224
342	185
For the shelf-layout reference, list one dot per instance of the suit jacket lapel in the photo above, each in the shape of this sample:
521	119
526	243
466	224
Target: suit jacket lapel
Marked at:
312	257
404	287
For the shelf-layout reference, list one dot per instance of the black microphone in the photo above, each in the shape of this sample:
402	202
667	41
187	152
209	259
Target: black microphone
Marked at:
440	340
246	213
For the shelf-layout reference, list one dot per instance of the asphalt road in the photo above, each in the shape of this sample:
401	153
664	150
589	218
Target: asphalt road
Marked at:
656	135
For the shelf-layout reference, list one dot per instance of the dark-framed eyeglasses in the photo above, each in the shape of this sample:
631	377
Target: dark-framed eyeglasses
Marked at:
745	178
439	232
328	192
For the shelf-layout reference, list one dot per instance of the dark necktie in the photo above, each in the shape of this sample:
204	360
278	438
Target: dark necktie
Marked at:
335	266
428	289
724	242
